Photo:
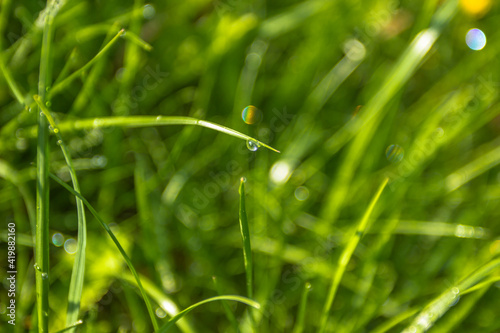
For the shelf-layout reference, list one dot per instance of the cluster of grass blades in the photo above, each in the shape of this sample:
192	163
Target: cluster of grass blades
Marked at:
378	213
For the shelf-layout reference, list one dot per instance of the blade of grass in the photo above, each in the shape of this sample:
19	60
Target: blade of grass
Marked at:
42	184
301	315
440	305
71	327
245	236
145	121
115	240
347	254
384	327
65	82
78	273
181	314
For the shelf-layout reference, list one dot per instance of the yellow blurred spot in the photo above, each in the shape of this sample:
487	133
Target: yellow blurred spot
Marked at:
475	7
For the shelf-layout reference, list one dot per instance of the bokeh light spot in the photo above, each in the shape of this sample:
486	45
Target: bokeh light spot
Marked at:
475	7
57	239
70	246
251	115
148	12
301	193
475	39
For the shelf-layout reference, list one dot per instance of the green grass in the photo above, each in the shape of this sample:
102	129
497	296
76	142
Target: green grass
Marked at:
372	174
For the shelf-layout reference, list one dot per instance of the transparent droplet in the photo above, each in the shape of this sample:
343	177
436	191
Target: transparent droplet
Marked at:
70	246
251	115
301	193
148	12
37	267
48	104
47	89
308	285
243	179
57	239
59	142
475	39
56	130
123	33
51	128
158	118
394	153
29	110
160	313
252	145
45	276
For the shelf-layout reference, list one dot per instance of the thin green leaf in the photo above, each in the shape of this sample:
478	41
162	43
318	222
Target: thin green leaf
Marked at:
181	314
346	255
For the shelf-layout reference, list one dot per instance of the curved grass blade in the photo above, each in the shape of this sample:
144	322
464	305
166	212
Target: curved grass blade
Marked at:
347	254
181	314
117	243
78	273
145	121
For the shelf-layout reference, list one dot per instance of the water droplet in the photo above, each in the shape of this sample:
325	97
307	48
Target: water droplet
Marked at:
394	153
57	238
56	130
148	12
48	104
59	142
70	246
475	39
301	193
243	179
47	89
29	110
252	145
37	267
45	276
123	33
41	113
308	285
455	290
158	118
251	115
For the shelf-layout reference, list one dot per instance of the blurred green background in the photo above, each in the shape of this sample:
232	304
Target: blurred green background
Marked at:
349	92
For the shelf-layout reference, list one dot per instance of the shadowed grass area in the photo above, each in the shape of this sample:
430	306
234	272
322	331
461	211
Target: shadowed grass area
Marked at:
372	208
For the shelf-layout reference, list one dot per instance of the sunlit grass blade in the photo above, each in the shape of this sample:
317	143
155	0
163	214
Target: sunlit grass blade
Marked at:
301	315
181	314
440	305
78	274
117	243
346	255
145	121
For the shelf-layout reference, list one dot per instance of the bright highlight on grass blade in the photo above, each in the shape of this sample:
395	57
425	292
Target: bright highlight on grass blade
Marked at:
181	314
346	256
245	236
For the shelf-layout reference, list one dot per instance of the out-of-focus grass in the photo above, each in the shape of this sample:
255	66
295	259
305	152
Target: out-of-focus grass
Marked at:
350	93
